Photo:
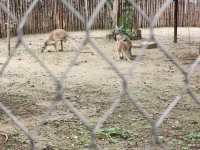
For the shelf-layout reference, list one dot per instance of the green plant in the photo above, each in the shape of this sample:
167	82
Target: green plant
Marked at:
193	136
110	2
112	133
126	21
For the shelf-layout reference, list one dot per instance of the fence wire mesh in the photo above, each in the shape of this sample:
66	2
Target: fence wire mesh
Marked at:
88	21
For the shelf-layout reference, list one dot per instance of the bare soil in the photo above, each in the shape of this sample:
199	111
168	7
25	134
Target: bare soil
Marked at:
92	85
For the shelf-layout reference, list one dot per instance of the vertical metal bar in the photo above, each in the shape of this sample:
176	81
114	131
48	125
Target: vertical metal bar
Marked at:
175	20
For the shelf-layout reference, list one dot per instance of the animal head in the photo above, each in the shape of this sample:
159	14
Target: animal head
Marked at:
117	31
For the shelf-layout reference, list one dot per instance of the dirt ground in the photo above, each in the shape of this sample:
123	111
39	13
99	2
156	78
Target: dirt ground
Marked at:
28	91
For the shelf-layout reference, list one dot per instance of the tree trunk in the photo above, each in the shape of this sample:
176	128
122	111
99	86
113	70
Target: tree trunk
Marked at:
115	12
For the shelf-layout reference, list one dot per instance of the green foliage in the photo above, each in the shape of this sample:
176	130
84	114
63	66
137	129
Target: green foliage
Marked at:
110	2
127	31
193	136
126	21
174	143
111	133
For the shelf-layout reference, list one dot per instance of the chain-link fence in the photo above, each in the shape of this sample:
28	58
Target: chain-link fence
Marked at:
88	21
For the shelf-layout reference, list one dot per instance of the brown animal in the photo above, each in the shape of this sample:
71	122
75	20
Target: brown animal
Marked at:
123	48
57	35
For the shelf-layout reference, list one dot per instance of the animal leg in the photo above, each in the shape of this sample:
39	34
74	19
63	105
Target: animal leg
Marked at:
127	55
44	47
115	51
120	53
61	43
55	46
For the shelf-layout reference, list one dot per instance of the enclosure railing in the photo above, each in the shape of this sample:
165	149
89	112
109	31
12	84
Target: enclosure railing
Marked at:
88	21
